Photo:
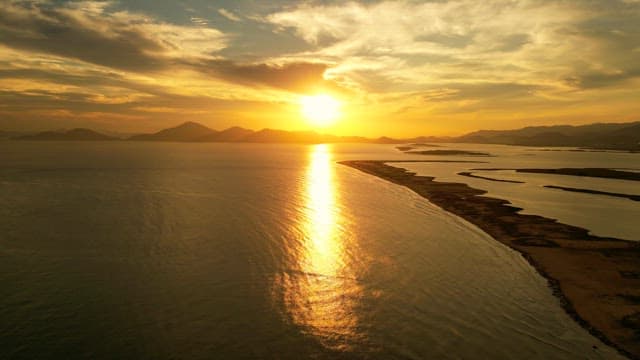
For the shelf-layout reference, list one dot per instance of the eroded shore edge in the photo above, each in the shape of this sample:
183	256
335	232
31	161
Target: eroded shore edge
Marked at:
596	279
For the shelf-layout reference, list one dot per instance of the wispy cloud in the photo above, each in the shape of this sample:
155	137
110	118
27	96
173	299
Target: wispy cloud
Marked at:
87	31
199	21
229	15
418	44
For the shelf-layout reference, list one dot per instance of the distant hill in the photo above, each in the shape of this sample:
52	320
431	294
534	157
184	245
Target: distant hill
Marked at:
189	131
622	136
194	132
625	136
231	134
70	135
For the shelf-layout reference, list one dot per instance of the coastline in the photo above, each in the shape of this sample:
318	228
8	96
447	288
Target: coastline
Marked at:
597	279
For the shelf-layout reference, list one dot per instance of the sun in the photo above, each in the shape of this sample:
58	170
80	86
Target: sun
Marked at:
321	109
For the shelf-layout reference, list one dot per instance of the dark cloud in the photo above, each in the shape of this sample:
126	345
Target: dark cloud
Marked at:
50	100
485	95
297	76
58	30
86	78
615	31
594	79
89	32
123	42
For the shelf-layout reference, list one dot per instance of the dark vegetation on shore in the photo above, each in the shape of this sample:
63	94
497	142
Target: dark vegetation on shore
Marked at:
595	192
448	152
405	148
424	145
472	175
588	172
597	279
434	161
605	173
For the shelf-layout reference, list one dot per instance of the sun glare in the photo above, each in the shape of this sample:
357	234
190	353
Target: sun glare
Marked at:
320	110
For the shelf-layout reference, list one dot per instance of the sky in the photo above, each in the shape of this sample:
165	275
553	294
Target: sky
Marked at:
397	68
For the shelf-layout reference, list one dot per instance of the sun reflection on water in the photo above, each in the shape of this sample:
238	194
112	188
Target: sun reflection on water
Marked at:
321	296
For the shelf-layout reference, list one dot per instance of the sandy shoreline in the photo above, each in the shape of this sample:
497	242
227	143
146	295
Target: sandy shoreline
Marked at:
596	279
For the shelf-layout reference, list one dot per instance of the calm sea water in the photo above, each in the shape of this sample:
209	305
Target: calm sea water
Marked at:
219	251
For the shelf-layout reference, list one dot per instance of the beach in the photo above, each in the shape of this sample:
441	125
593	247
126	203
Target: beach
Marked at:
596	278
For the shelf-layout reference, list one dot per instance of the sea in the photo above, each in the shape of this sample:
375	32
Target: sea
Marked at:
136	250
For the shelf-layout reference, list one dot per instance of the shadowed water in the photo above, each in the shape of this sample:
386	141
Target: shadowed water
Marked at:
200	251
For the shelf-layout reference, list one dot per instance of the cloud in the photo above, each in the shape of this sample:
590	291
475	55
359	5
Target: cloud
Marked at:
199	21
292	76
229	15
88	31
448	58
425	45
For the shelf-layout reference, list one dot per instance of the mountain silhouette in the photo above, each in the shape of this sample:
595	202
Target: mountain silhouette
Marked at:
621	136
231	134
70	135
615	136
188	131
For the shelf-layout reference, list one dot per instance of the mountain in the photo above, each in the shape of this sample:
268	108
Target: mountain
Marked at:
621	136
188	131
71	135
388	140
194	132
231	134
625	138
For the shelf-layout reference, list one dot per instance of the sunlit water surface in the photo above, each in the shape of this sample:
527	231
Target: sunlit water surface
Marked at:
205	251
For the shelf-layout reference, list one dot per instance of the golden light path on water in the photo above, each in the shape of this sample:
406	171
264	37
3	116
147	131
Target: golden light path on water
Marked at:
323	296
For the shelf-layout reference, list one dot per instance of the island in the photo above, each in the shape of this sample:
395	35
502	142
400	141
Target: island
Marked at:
448	152
597	279
587	172
604	173
472	175
595	192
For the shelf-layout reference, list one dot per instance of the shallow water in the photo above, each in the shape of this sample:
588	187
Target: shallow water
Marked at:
600	214
199	251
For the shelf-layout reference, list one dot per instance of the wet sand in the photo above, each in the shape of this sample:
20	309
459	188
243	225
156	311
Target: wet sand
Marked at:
596	279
